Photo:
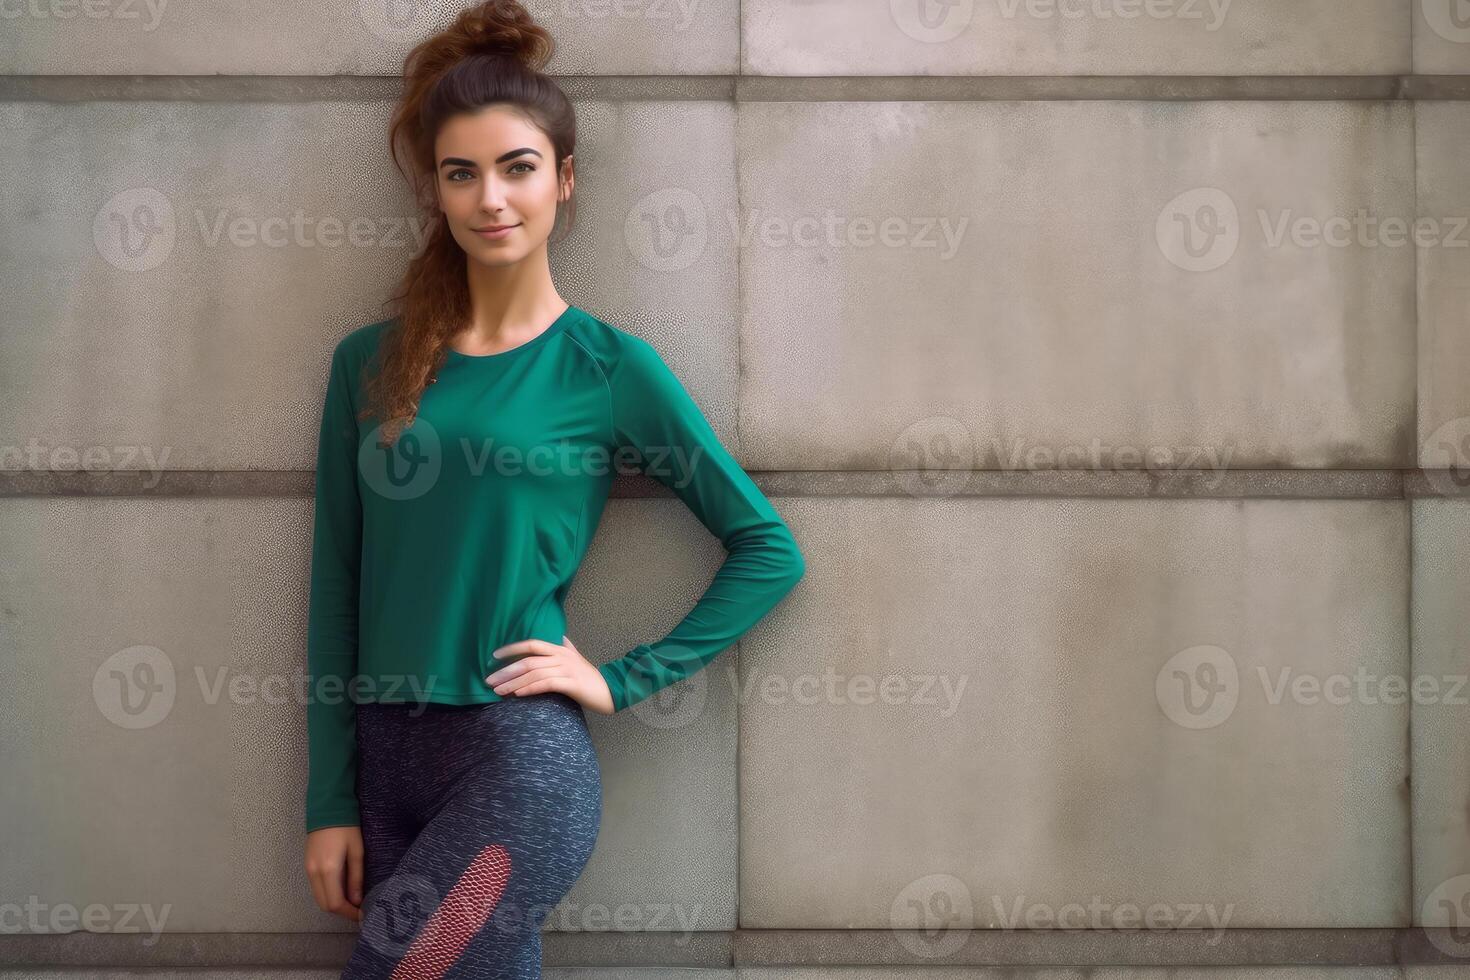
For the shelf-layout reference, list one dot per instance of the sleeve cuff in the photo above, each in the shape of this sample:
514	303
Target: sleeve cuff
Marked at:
615	685
340	817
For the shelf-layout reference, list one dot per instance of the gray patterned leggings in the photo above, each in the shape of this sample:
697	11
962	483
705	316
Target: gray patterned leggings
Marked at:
476	820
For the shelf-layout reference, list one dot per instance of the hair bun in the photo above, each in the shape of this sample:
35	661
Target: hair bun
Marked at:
503	27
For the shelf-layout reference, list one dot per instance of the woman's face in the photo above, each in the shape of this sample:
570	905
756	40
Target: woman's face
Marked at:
496	169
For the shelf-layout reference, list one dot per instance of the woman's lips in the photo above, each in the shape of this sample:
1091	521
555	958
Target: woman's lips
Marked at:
501	233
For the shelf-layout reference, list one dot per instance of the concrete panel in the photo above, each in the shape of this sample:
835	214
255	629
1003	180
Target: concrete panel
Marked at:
117	743
1024	285
355	38
1437	971
187	268
1442	136
977	712
1055	37
1078	973
154	733
1441	730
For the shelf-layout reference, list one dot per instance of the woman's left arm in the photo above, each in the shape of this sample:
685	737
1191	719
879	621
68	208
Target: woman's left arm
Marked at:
658	425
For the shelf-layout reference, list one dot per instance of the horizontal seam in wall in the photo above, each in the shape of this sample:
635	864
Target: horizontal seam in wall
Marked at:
1070	947
760	88
1308	484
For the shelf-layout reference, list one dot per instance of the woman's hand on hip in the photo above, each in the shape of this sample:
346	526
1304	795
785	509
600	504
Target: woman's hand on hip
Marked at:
551	667
334	867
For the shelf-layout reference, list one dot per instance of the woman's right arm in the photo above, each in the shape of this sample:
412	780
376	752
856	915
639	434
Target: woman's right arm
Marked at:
334	859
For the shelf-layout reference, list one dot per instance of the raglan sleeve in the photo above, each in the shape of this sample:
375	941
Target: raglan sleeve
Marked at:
332	612
659	430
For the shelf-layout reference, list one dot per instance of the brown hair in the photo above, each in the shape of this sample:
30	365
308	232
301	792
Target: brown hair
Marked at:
492	53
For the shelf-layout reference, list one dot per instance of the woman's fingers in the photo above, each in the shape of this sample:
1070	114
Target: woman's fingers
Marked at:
318	893
525	646
354	873
542	684
332	888
328	877
340	904
526	679
520	666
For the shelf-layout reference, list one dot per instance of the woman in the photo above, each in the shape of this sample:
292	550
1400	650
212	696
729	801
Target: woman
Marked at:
467	447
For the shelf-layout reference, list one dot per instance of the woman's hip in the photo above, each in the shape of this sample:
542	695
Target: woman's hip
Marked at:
530	749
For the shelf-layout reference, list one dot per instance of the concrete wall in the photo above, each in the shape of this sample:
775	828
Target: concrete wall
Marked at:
1093	360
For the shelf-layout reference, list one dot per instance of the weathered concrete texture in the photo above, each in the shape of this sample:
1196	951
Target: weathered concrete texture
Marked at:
286	38
978	712
1441	37
1442	145
755	88
763	37
1303	37
967	287
1052	953
1441	733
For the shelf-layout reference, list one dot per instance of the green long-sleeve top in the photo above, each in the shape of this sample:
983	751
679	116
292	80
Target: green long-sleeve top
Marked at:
466	535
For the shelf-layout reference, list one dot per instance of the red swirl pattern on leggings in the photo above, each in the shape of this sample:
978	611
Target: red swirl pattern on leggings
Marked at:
466	908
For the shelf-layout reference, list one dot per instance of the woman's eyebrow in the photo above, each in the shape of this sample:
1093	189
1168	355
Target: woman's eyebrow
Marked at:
462	162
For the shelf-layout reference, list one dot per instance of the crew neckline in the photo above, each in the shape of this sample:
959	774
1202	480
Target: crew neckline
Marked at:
545	335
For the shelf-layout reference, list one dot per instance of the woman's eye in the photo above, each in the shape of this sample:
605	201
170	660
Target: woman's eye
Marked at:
529	168
456	173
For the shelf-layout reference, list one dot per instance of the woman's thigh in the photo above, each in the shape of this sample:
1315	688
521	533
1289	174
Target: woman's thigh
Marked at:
510	815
